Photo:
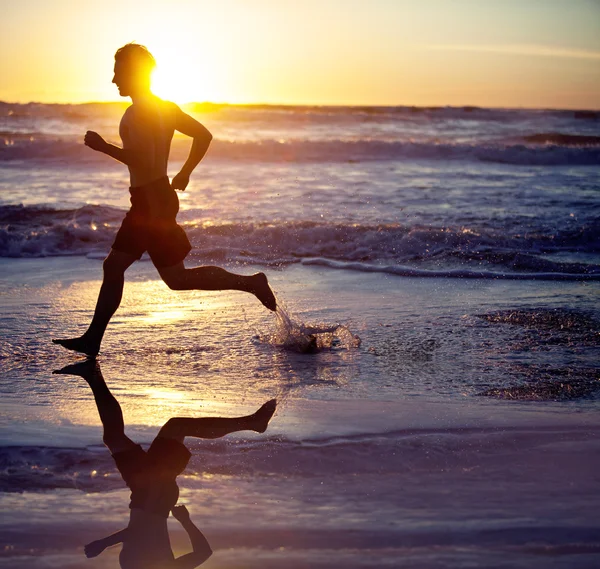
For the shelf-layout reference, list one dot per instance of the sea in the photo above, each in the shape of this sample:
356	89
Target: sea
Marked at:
435	354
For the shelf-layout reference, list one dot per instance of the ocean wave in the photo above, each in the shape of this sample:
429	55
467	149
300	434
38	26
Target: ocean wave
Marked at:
92	469
41	231
44	148
400	452
84	110
408	250
404	271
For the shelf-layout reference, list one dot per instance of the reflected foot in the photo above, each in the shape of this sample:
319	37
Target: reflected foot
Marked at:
82	345
262	291
88	369
261	418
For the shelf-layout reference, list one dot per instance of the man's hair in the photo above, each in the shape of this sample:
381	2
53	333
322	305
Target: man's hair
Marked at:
138	56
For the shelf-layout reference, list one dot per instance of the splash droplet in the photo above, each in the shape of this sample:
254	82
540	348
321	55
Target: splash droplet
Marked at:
292	334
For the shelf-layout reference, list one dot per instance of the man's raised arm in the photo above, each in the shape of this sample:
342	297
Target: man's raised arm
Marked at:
191	127
202	550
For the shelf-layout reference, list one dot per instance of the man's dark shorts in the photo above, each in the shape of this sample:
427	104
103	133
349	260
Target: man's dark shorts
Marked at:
150	225
151	475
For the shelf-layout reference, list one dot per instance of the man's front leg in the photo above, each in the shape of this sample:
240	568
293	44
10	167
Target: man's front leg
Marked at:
109	299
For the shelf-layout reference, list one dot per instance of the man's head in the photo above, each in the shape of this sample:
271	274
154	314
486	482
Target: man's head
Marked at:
133	67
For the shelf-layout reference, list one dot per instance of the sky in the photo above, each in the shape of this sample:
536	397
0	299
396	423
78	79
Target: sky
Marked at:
509	53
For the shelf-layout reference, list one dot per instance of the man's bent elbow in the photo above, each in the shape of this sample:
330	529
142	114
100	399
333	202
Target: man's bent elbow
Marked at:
203	556
206	137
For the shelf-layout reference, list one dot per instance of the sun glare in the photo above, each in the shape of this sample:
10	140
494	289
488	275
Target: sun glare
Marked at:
163	394
165	316
184	73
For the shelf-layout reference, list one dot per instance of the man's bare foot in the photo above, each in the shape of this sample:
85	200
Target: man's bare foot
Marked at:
82	345
88	369
261	418
263	292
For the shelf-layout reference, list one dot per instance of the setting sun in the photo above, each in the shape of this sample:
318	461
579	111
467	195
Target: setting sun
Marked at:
187	69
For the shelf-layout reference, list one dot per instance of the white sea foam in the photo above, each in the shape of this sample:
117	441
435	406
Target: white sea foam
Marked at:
452	273
29	232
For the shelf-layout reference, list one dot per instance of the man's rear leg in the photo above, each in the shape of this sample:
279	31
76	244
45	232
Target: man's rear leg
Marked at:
177	277
109	299
216	427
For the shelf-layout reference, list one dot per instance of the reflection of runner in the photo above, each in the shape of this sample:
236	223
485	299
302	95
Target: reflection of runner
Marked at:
146	129
151	476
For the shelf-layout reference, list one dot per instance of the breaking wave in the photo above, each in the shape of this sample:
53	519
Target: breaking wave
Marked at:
399	452
408	250
557	150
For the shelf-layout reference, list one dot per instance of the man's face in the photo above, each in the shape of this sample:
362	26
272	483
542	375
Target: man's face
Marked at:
122	79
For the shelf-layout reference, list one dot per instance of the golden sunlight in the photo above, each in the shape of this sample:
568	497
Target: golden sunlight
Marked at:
166	316
187	70
163	394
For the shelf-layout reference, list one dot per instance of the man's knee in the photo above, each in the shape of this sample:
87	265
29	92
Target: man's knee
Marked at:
174	283
117	263
174	278
117	442
113	268
171	429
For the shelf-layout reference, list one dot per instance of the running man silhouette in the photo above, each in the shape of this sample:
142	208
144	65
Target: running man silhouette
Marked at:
146	129
151	476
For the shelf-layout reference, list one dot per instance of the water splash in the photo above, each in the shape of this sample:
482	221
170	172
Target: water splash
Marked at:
293	334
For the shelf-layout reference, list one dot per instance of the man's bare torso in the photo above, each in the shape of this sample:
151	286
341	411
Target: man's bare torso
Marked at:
147	129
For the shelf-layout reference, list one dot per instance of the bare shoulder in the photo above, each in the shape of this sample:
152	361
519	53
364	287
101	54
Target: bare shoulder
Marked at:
171	106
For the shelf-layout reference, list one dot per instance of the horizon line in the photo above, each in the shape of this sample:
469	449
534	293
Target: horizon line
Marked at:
317	105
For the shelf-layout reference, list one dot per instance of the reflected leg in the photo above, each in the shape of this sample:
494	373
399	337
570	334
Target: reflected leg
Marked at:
216	427
108	407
